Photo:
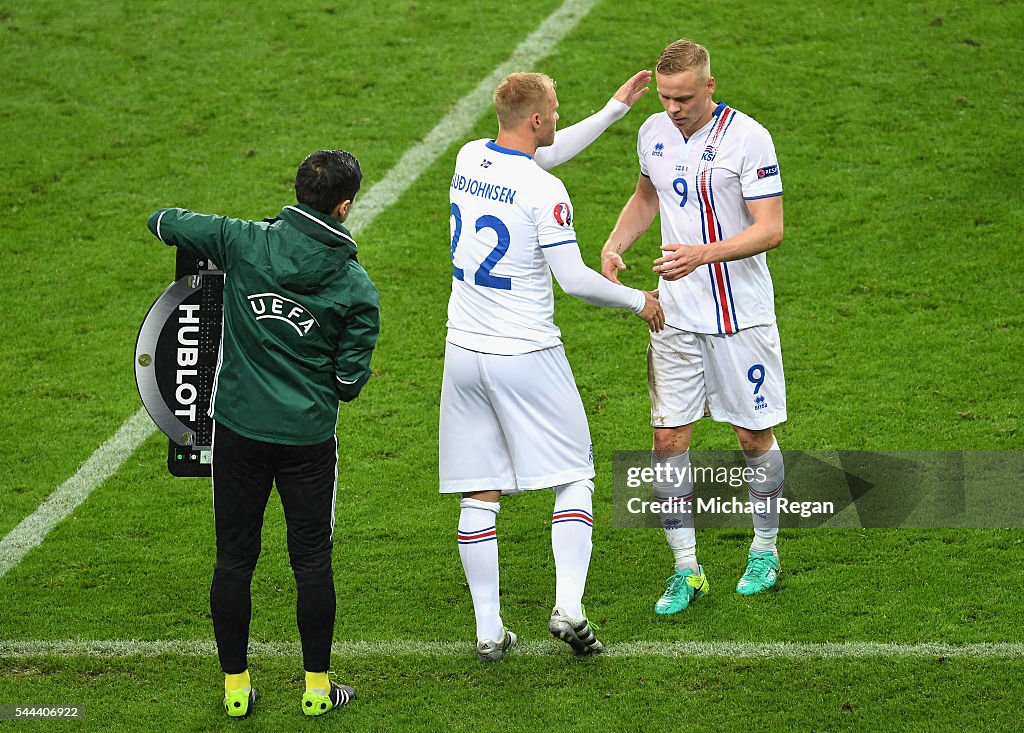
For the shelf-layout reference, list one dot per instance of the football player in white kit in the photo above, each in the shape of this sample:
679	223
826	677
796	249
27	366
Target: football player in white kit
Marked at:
712	174
511	418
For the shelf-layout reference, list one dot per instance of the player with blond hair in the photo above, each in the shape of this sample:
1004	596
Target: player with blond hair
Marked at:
511	417
711	173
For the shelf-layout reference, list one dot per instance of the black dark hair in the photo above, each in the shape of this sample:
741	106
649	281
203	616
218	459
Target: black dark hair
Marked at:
326	178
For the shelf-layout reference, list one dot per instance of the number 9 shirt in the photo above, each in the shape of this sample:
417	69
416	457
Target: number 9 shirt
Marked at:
721	345
702	183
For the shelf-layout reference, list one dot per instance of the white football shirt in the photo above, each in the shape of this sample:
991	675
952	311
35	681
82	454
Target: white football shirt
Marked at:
702	184
504	210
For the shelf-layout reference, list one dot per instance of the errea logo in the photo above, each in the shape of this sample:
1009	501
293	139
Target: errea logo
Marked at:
280	308
659	150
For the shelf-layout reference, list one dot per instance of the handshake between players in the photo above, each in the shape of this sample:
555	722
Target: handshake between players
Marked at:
652	313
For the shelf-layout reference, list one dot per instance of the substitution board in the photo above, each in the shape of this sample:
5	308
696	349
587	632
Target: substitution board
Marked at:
176	358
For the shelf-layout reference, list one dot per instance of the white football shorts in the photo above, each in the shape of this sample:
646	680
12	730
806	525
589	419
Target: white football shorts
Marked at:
511	423
738	377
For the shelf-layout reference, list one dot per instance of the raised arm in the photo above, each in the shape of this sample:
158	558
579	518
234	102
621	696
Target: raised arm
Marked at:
204	234
573	139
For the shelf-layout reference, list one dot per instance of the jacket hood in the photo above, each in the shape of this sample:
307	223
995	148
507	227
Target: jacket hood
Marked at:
310	269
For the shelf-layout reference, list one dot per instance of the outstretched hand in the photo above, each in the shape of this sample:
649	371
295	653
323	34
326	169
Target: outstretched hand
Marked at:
635	88
611	266
652	312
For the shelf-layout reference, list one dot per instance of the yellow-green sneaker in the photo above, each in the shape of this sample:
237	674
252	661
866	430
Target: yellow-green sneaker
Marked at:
683	587
240	703
761	574
313	703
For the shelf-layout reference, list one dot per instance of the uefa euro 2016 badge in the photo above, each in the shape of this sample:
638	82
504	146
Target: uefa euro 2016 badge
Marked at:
563	214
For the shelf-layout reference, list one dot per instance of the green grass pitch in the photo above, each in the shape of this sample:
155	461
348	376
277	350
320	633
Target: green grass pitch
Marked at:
900	130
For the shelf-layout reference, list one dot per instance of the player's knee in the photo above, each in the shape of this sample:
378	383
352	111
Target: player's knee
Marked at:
754	441
672	441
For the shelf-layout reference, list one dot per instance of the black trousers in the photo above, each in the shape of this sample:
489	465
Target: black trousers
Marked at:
244	471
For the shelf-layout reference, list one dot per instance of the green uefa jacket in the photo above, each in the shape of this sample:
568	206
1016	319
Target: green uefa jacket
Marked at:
301	318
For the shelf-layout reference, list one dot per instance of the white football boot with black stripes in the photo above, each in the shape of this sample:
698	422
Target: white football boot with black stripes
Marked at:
492	651
576	632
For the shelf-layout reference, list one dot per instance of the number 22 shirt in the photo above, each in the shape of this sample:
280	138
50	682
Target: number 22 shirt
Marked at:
505	210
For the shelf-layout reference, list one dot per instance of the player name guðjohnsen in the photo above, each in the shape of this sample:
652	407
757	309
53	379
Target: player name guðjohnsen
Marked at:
491	191
715	505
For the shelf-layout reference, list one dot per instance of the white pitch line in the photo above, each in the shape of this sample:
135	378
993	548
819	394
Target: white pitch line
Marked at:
70	494
108	457
624	650
460	120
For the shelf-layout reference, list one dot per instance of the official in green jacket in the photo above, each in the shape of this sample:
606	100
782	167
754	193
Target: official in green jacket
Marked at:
301	318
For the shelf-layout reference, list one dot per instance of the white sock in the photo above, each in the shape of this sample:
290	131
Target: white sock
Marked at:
766	488
572	530
677	483
478	548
